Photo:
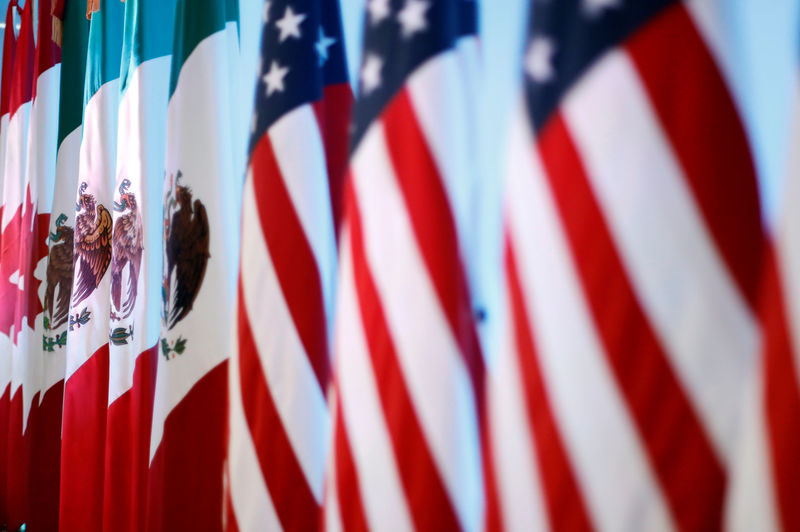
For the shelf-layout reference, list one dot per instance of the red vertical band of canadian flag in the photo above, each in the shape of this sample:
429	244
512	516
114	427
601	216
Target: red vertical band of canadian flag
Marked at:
15	258
9	51
632	259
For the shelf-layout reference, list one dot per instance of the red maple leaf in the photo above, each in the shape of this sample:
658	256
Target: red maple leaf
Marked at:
24	245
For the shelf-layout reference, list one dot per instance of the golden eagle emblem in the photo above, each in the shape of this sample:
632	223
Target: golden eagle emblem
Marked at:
186	239
92	244
59	273
127	246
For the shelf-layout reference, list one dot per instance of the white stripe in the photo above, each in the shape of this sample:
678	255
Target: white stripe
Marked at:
14	163
608	457
251	501
140	158
331	516
300	154
682	283
202	144
381	490
518	477
750	503
289	376
63	202
433	369
4	122
97	164
441	103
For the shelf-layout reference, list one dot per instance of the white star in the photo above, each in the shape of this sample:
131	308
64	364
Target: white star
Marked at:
274	78
265	15
322	46
371	73
290	24
538	60
595	7
378	10
412	17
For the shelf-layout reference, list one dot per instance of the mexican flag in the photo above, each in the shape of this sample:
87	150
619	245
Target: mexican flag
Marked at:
9	51
16	224
87	365
136	258
71	31
202	196
41	420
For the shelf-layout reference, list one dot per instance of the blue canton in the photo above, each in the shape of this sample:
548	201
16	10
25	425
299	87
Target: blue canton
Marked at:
565	39
302	51
399	36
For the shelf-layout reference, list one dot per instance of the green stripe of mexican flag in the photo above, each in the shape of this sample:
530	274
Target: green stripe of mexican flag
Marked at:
202	196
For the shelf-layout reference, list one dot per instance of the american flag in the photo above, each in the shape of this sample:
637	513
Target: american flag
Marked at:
409	369
279	421
632	253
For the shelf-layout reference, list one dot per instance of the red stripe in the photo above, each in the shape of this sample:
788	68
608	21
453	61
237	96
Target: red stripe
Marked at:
45	477
292	257
291	495
230	514
351	509
434	227
5	401
127	451
690	474
427	498
22	83
333	117
782	401
699	117
48	53
436	233
565	506
18	472
9	53
83	443
185	482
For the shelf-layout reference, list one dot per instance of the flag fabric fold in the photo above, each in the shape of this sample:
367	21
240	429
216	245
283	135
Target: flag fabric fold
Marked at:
86	382
18	222
409	368
9	53
632	254
135	267
280	371
59	265
44	418
201	204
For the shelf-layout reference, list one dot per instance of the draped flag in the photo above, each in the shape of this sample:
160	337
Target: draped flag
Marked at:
86	382
9	51
136	259
409	369
70	31
632	252
279	376
202	198
44	419
14	283
766	481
